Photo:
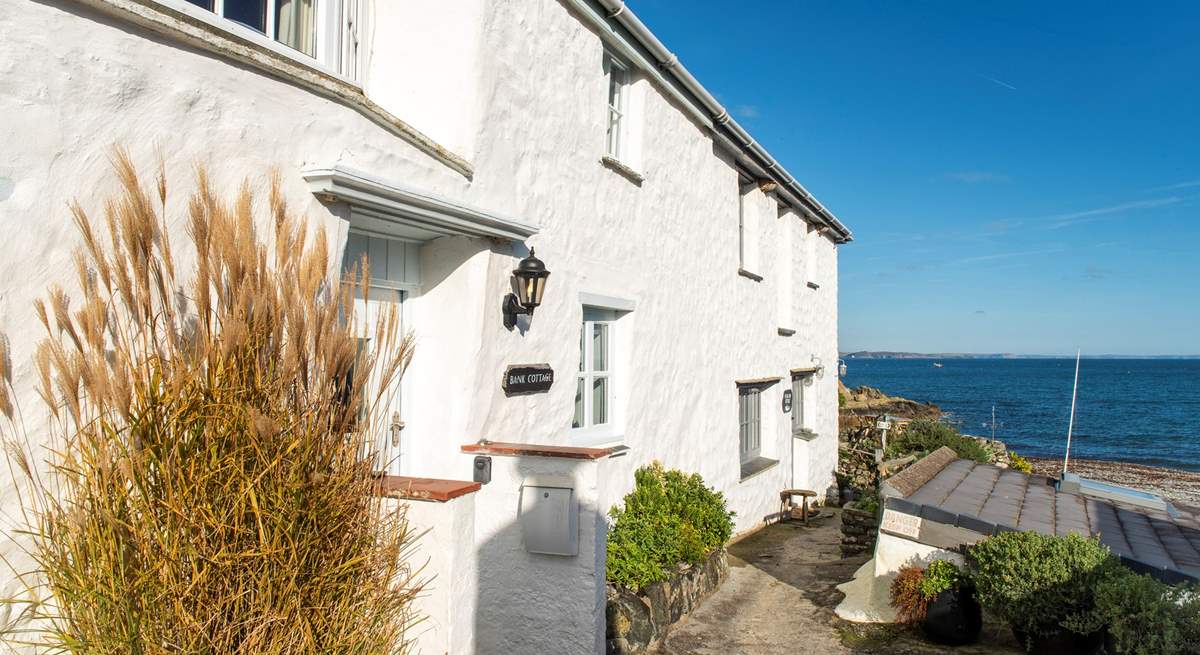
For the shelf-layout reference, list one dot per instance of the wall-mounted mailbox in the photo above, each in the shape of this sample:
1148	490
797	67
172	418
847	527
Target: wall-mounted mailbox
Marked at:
549	518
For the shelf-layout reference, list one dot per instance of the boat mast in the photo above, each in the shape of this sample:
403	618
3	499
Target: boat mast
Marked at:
1071	424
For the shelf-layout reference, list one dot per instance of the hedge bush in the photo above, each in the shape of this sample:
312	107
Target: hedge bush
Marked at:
923	436
1144	616
1040	583
670	518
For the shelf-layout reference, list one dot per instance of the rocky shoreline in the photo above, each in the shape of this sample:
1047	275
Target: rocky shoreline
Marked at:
1179	487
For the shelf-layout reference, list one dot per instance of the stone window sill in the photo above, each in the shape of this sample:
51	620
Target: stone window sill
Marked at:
785	332
756	466
813	285
614	164
805	434
747	274
183	22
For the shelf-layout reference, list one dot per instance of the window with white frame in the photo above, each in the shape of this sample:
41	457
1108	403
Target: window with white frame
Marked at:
325	30
594	386
799	409
749	423
618	108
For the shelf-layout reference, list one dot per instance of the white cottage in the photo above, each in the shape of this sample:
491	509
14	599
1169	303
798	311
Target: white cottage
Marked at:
693	286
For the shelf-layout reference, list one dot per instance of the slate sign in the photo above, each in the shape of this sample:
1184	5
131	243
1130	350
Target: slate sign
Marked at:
787	400
527	378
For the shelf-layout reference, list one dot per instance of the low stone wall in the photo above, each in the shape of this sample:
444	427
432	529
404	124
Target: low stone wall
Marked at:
637	620
859	531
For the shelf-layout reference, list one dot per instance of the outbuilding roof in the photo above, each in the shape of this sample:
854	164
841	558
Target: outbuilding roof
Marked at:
987	499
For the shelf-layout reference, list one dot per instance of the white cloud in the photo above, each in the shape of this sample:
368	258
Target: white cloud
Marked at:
746	111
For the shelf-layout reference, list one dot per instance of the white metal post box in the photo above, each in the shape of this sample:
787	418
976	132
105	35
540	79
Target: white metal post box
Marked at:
549	519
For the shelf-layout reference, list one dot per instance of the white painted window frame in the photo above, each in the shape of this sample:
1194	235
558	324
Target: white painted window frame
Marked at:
588	375
339	25
799	413
618	82
749	423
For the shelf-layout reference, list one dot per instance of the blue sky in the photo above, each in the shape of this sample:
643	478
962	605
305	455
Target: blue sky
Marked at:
1020	177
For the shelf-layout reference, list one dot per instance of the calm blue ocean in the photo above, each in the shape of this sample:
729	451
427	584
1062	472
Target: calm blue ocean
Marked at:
1143	411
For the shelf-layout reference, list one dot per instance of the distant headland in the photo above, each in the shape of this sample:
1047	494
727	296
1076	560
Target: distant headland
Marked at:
891	354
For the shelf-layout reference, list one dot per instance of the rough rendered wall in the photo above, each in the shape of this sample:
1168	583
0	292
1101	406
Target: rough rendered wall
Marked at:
74	82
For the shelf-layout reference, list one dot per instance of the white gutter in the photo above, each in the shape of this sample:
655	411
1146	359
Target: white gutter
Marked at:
727	131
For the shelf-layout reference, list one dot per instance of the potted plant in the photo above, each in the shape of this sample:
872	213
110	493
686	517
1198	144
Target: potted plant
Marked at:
941	600
952	615
1044	586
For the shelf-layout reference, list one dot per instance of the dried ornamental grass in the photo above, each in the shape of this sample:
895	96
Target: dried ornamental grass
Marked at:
208	488
907	595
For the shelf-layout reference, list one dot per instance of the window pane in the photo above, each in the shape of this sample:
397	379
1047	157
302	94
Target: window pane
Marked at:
251	13
577	422
599	401
295	25
600	346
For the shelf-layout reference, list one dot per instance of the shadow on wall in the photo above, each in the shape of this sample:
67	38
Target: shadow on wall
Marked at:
533	603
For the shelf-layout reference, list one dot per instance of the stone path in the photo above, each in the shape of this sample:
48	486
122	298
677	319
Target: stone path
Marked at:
780	596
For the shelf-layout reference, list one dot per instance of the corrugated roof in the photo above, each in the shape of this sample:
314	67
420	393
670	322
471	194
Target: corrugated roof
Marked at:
987	498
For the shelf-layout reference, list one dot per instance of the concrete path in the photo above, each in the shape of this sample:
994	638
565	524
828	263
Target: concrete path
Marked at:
780	596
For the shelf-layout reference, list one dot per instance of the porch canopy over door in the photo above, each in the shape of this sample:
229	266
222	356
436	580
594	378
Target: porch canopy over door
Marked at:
391	209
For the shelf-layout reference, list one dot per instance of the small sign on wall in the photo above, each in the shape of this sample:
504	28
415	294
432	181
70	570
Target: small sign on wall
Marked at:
787	401
521	379
900	524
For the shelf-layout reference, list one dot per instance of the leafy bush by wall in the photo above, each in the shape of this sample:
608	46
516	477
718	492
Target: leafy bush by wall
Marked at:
669	518
1144	616
923	436
940	576
1037	582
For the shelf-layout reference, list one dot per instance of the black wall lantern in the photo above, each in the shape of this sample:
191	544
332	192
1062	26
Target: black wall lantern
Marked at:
529	279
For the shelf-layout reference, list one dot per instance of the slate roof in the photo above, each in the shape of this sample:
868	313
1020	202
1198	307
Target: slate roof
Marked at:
990	499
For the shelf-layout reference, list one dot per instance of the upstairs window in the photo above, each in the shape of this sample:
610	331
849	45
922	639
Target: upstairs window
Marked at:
618	108
324	30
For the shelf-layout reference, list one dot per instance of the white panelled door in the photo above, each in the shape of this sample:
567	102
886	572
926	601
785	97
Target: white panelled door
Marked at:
394	267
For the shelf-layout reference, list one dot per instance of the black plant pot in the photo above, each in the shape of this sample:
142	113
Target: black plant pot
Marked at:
953	617
1061	642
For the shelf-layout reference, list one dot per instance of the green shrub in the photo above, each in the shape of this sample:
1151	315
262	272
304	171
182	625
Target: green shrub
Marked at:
669	518
869	501
1018	463
940	576
1039	583
1143	616
923	436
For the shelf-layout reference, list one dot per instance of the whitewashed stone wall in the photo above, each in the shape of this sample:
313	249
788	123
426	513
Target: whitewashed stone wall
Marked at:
516	89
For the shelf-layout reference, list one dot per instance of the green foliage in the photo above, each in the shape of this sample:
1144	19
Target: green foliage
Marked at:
668	519
1039	583
940	576
1143	616
923	436
869	501
841	400
908	596
1018	463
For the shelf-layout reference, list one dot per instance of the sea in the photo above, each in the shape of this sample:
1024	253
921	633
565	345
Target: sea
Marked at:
1145	411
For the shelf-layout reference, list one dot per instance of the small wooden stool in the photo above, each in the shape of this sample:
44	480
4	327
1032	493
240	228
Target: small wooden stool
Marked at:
785	501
